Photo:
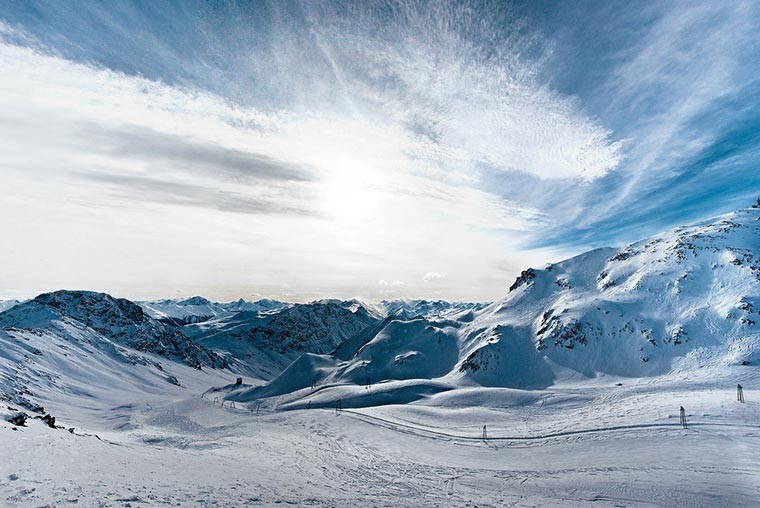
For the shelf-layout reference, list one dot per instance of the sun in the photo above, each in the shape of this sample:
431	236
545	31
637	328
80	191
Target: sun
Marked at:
348	194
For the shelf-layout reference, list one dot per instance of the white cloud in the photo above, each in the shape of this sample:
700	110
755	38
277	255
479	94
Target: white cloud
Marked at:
141	186
393	283
476	108
433	276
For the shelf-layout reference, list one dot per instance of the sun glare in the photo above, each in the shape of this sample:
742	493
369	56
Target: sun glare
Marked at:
348	194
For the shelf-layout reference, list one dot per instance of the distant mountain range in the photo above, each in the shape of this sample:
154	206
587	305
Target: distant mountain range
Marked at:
71	335
685	302
261	344
198	309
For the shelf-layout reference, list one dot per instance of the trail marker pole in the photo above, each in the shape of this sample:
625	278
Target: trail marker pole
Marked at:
740	393
683	418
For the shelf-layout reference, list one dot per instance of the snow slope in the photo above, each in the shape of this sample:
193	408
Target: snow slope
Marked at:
68	368
679	302
79	354
395	350
115	319
606	447
684	303
435	411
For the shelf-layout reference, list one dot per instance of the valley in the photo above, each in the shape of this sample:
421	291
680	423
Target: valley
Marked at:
565	392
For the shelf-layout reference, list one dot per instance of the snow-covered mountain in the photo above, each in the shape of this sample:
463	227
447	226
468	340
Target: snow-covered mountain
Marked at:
115	319
623	336
7	304
410	308
198	309
429	309
65	366
685	302
79	351
263	344
393	349
353	305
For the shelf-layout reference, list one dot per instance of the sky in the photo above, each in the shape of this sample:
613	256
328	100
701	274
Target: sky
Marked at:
303	150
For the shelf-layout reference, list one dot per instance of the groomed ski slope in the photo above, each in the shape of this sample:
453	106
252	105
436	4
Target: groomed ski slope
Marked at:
575	445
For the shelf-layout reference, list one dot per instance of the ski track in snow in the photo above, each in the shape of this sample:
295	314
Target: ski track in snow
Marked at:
192	452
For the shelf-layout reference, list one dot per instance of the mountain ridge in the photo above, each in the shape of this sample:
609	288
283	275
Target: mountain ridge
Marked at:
117	319
685	302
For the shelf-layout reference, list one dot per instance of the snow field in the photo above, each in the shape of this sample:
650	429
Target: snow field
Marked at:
564	447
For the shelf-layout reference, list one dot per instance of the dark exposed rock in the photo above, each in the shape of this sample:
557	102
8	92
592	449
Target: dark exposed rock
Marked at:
18	419
525	278
48	420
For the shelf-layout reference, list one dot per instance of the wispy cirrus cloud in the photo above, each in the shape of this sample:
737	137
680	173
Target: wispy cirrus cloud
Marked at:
363	164
681	88
333	145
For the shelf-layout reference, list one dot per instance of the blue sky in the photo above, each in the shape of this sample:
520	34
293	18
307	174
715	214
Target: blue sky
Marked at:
372	149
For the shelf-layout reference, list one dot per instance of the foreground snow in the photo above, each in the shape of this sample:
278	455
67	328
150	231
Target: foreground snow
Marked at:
568	446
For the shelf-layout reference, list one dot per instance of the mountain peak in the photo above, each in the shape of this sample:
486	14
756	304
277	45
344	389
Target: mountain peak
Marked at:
81	304
117	319
194	300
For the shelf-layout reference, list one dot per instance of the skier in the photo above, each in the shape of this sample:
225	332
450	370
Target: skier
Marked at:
683	418
739	393
485	433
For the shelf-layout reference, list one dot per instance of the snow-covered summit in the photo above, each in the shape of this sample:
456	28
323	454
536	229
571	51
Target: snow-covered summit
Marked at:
198	309
409	308
430	309
682	300
117	319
